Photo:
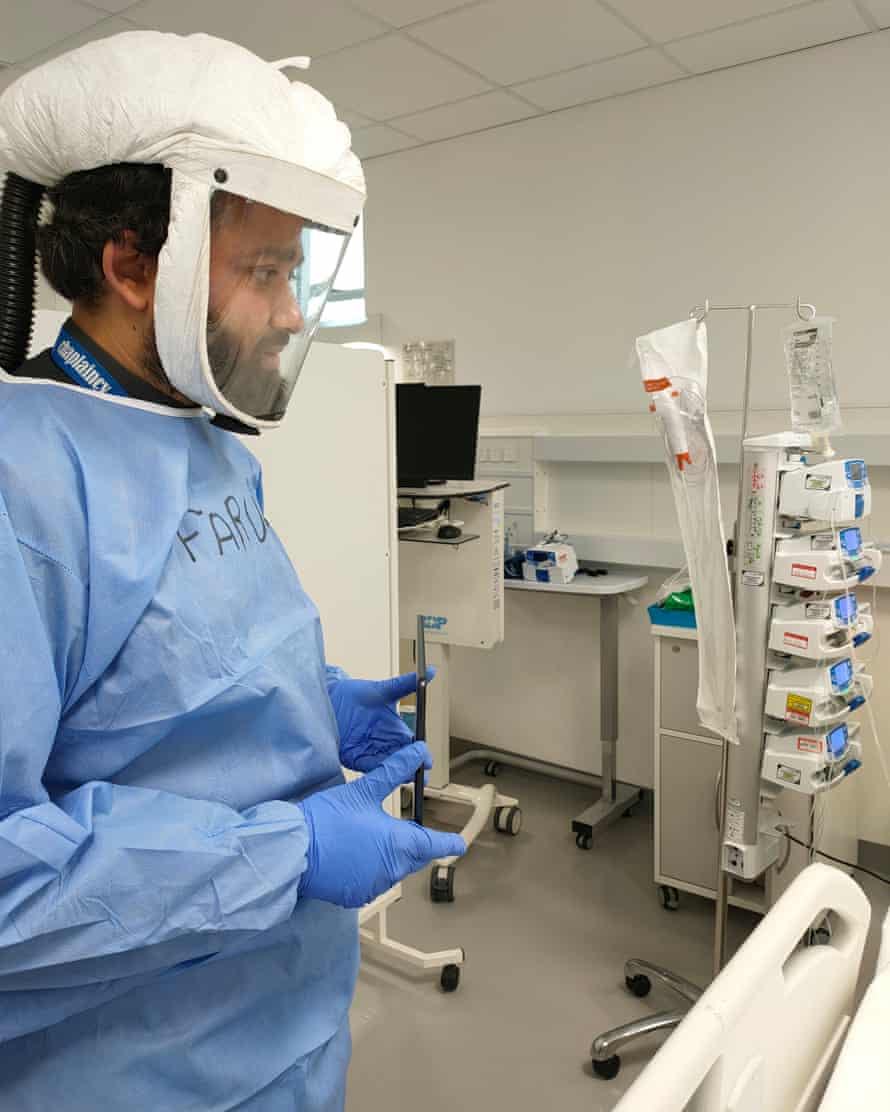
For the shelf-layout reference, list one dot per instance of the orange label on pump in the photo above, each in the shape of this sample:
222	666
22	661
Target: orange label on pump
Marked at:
653	385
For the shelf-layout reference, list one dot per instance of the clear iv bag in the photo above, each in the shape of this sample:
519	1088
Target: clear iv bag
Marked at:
808	360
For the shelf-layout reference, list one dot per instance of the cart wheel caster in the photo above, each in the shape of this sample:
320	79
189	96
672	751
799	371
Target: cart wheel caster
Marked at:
584	841
508	820
450	978
442	884
492	768
670	897
607	1068
639	985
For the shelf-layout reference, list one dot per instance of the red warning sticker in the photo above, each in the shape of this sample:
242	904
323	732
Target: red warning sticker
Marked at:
796	640
809	745
804	571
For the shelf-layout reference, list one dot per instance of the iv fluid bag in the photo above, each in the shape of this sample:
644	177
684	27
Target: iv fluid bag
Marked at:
674	366
808	356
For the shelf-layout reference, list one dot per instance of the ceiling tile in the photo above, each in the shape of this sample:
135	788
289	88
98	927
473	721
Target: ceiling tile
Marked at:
515	40
33	26
368	142
880	10
273	29
354	119
602	79
399	13
664	21
109	26
8	74
810	25
465	116
391	77
114	7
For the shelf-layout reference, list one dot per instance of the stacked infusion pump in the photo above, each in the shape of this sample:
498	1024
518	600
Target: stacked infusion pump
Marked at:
800	557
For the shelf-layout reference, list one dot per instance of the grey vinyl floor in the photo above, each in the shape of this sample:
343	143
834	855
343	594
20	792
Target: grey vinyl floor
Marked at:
546	928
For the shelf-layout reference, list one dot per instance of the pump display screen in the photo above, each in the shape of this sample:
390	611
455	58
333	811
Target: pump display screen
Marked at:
851	541
855	470
837	741
841	675
846	609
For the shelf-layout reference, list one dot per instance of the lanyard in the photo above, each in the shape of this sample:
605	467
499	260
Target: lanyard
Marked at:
82	367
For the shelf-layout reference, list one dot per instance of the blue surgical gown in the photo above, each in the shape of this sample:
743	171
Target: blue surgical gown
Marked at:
163	707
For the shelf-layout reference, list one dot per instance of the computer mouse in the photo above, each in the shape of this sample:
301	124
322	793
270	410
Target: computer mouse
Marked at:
448	533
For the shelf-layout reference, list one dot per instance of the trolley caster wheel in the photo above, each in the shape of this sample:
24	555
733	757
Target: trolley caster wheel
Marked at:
442	885
639	985
607	1068
492	768
508	820
584	841
450	978
670	897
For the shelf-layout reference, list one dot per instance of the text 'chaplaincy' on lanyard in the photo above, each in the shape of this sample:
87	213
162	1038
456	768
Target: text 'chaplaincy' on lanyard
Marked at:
81	367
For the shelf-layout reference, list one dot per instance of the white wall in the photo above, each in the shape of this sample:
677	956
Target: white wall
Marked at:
543	248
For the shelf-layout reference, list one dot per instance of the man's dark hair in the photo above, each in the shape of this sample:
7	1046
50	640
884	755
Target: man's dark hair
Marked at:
91	207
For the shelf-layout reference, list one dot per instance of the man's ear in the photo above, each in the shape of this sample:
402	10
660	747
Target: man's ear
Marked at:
129	273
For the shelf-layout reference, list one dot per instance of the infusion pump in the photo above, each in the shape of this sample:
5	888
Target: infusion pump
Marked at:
802	557
817	622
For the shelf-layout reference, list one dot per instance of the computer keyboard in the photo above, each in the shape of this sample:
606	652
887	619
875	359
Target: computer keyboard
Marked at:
412	516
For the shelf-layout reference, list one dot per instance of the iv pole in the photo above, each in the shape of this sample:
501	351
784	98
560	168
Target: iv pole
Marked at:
805	313
638	972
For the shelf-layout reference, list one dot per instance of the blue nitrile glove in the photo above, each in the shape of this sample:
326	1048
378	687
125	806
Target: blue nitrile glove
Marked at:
369	726
356	850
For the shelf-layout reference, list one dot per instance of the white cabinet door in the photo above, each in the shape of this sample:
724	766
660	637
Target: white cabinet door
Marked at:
688	834
329	482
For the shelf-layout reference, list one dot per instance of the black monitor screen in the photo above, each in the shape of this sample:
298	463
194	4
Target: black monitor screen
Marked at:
437	428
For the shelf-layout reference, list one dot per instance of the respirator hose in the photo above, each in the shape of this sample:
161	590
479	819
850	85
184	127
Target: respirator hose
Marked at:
18	268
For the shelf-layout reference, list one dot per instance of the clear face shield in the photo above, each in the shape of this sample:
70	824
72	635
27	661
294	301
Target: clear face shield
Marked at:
270	275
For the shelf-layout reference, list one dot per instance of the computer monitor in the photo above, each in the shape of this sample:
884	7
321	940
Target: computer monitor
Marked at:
437	428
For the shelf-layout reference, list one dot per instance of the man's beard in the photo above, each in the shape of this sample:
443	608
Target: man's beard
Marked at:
252	389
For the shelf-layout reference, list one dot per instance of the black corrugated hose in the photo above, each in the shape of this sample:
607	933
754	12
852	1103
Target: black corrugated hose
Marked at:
19	210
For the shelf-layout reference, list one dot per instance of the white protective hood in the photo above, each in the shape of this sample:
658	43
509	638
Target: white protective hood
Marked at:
214	114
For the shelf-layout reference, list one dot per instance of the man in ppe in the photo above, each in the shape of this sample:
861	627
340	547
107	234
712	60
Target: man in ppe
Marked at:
180	858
